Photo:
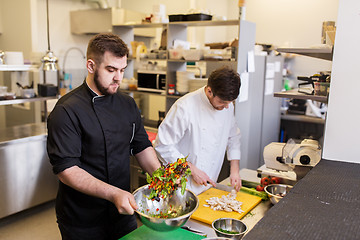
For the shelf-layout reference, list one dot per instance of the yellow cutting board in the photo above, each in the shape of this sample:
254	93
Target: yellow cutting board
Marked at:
207	215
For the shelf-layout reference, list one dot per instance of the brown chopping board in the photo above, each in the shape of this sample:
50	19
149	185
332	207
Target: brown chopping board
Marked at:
207	215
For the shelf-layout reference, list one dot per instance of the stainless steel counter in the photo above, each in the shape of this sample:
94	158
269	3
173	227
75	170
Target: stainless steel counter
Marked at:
26	177
23	132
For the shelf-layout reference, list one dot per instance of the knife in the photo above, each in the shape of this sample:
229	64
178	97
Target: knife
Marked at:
194	230
224	187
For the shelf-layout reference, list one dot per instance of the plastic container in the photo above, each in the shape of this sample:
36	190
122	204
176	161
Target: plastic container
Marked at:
193	54
175	53
27	93
3	90
321	88
171	90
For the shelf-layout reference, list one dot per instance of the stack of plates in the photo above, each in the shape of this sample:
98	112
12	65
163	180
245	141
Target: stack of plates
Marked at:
182	81
196	83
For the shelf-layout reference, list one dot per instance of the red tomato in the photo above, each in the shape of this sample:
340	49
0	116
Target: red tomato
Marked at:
260	188
265	181
275	180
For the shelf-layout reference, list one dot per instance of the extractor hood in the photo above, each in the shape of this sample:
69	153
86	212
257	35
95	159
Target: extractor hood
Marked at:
93	21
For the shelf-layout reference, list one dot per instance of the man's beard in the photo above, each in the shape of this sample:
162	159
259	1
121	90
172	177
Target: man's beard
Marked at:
103	90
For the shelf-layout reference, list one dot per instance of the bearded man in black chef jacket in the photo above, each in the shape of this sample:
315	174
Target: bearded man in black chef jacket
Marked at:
91	133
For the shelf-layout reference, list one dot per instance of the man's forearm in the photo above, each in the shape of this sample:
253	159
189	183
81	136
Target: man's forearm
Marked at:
234	166
148	160
84	182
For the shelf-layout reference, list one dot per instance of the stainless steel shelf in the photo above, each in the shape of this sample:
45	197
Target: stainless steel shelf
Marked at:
202	60
25	100
322	53
16	68
185	23
145	25
297	95
302	118
207	23
142	92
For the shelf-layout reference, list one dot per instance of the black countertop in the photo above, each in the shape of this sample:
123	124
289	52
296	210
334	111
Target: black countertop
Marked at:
325	204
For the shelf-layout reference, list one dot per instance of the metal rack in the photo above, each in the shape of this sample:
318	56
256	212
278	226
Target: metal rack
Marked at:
178	30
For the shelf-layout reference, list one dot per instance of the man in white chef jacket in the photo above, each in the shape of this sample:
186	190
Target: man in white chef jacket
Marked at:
202	126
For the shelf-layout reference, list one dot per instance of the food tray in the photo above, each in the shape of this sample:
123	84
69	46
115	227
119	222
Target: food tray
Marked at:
198	17
177	17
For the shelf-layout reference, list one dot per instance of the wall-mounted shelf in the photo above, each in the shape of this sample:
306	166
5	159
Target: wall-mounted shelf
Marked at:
25	100
202	60
297	95
178	31
322	53
142	92
206	23
17	68
302	118
185	23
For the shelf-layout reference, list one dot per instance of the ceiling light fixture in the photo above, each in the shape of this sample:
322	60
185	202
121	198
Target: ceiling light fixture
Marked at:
50	62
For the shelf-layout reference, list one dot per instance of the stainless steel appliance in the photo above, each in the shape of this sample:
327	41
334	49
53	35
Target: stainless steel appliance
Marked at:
291	161
152	81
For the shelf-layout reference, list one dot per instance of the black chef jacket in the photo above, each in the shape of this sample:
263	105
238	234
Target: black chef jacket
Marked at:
97	134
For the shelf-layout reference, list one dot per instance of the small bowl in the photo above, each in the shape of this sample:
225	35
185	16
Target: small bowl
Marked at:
229	224
273	190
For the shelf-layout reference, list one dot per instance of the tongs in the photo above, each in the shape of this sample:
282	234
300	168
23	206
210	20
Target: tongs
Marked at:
309	80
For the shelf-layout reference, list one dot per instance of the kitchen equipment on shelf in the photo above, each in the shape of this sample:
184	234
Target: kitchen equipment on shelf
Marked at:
3	90
184	205
2	55
151	81
321	88
47	89
290	161
193	54
229	228
27	92
225	53
315	109
308	87
175	53
195	16
14	58
208	215
197	83
182	81
296	106
277	191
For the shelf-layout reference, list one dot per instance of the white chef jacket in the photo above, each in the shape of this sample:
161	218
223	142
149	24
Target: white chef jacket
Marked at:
194	128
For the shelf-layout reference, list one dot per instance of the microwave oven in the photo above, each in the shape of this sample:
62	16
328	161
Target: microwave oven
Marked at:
151	81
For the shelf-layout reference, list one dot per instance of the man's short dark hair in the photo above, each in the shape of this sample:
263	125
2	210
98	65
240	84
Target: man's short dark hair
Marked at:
225	83
103	42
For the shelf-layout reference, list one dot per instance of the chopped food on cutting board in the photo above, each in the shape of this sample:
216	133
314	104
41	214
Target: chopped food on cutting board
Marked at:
225	203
